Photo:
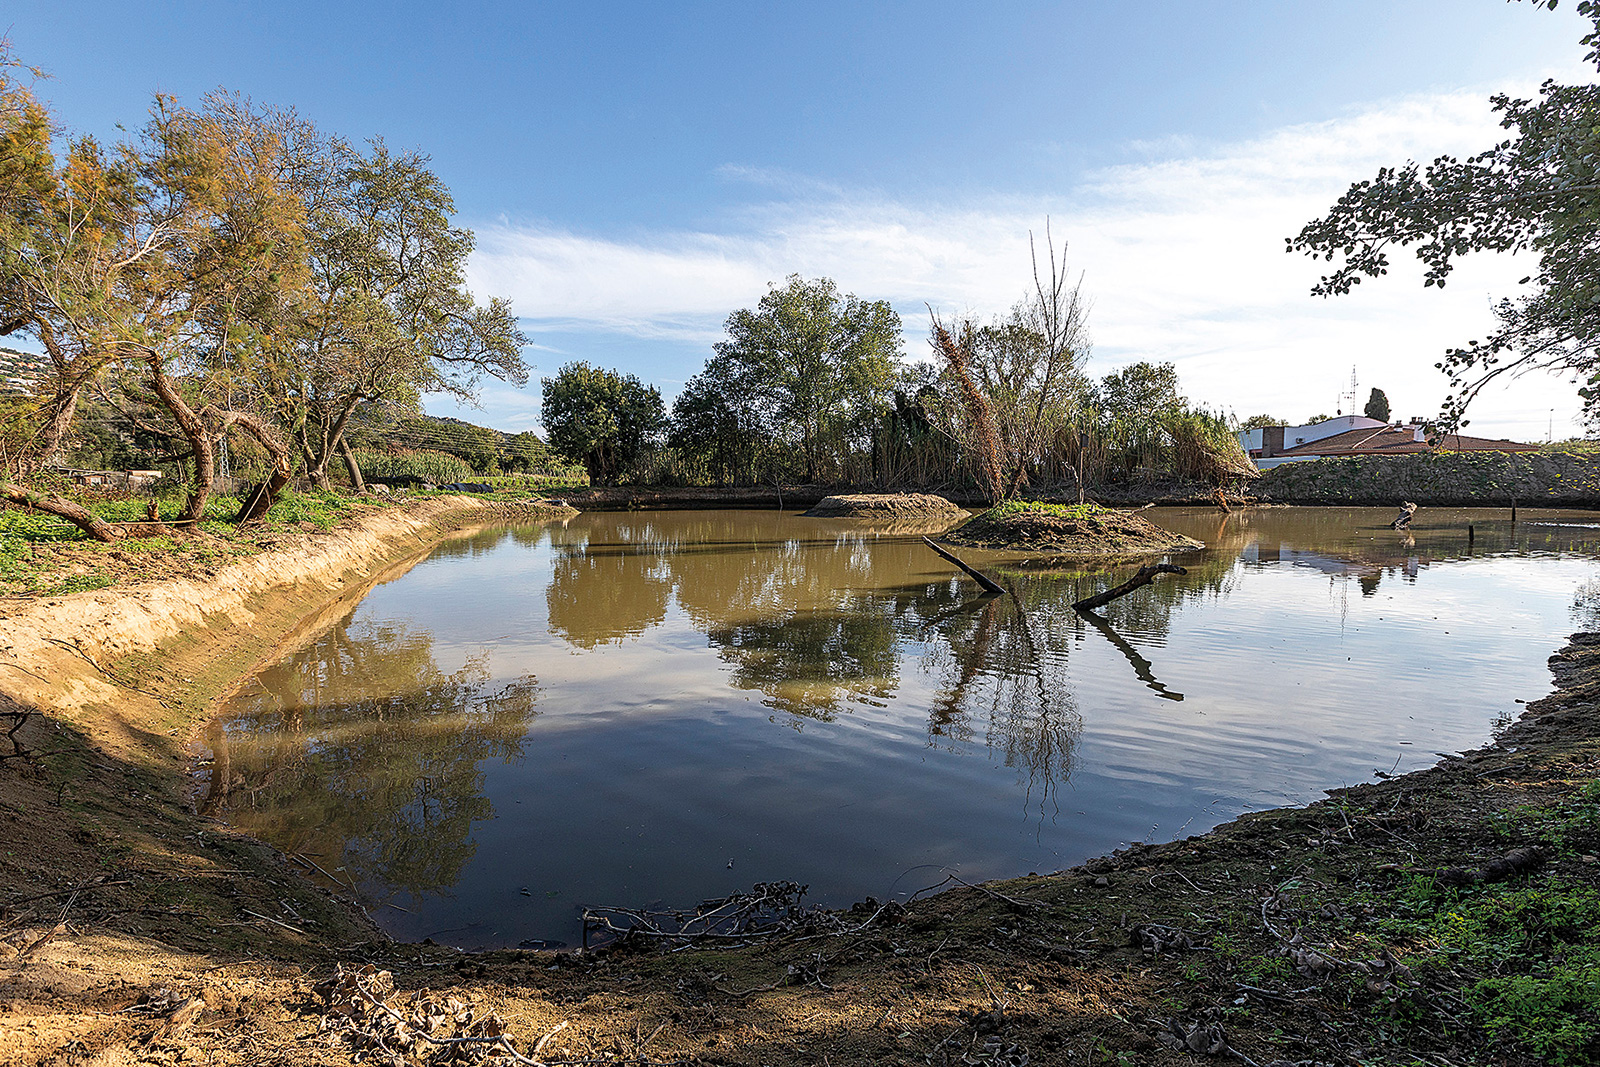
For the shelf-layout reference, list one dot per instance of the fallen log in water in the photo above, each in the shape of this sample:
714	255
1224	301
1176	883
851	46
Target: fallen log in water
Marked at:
989	584
1143	577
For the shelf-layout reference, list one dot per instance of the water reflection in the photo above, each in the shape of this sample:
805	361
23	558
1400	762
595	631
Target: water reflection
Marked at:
410	745
604	590
359	747
1003	678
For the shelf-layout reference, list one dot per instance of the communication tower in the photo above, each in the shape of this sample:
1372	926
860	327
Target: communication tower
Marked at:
1342	400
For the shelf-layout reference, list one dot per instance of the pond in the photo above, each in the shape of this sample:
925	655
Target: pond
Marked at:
654	708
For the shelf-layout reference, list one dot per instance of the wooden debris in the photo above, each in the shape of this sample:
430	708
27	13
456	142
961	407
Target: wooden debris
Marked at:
990	586
1141	578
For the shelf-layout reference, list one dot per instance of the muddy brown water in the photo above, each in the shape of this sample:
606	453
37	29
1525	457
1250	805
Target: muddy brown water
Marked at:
650	709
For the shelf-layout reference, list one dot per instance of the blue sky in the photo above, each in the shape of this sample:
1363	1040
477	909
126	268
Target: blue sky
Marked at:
637	171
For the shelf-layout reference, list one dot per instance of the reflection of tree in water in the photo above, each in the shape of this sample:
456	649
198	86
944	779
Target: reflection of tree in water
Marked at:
1004	670
813	623
1586	606
808	663
358	746
605	590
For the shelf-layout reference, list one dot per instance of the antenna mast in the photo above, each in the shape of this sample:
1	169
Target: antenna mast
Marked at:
1342	398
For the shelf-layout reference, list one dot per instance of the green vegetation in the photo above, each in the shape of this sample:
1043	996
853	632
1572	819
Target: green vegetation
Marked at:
422	463
604	420
1529	950
1534	192
232	289
1035	507
794	386
1377	406
36	545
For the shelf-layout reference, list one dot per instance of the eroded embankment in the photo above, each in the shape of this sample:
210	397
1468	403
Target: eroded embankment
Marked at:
1294	936
106	691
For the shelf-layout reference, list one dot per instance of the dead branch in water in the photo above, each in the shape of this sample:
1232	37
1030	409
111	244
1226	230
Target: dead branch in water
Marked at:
1143	577
1141	666
990	586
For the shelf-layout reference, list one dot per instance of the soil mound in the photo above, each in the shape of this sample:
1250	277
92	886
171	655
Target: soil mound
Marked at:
887	506
1076	530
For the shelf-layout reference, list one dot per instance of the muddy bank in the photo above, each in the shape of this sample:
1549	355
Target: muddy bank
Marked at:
1287	937
106	691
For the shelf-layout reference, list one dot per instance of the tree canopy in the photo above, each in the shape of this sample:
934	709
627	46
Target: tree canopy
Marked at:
602	419
1536	192
808	367
229	268
1377	406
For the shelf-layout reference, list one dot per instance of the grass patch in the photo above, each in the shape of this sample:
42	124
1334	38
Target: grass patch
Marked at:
1528	949
41	555
321	509
1039	507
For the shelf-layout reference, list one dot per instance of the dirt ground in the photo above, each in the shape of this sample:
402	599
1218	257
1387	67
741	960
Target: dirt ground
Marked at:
887	506
134	931
1095	533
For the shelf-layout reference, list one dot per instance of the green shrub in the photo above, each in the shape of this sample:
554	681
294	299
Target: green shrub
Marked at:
440	468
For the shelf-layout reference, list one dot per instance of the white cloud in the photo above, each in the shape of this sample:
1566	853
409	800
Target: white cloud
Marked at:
1183	255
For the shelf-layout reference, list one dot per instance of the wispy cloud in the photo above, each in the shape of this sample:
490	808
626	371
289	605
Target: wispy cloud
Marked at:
1182	253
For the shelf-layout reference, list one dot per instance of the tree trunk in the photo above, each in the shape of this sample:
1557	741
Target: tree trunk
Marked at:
264	495
58	413
195	432
332	438
83	519
349	456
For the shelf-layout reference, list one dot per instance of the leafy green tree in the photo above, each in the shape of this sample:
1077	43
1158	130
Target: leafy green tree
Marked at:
718	431
1139	391
1377	406
816	365
1256	422
386	314
525	453
602	419
1537	191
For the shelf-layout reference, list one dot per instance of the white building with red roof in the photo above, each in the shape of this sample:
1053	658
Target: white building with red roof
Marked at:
1357	435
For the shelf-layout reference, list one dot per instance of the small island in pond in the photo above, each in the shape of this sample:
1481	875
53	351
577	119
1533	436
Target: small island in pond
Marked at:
887	506
1067	529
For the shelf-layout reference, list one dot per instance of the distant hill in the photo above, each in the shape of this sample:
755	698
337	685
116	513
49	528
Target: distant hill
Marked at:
22	373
